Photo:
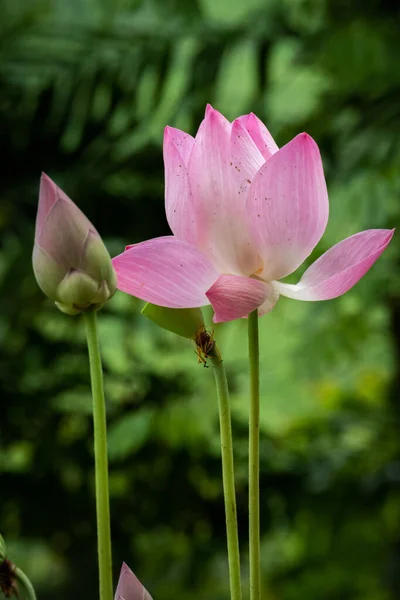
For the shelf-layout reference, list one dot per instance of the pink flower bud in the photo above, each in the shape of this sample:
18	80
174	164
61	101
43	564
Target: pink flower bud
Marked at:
129	586
71	264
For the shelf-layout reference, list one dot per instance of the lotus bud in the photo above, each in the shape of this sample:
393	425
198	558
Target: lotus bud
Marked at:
71	263
129	586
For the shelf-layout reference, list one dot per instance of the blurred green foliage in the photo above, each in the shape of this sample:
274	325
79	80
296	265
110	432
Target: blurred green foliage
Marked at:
86	88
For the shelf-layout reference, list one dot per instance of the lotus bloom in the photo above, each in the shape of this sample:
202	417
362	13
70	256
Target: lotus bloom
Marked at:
244	215
71	264
129	586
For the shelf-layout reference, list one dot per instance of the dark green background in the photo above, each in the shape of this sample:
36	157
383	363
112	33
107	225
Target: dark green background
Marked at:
86	88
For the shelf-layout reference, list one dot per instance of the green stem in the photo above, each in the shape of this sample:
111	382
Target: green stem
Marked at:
101	462
254	459
25	584
228	477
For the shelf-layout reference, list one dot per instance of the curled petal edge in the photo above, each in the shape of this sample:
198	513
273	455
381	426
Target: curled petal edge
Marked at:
339	268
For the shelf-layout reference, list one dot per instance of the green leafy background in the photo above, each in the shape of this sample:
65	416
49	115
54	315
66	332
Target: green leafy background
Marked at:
86	88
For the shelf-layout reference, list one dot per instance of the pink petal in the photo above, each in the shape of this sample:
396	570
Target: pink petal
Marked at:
288	207
260	135
233	297
129	586
165	271
245	157
48	194
341	267
226	238
210	111
184	217
182	141
64	232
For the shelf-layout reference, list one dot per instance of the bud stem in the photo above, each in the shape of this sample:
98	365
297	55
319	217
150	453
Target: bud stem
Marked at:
228	474
24	582
101	461
254	458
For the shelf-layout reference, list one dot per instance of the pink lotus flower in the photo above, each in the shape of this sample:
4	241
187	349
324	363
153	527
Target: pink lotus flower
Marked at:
129	586
244	214
71	264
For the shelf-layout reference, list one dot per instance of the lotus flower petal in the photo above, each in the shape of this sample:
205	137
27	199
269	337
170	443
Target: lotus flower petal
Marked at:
288	207
48	273
95	260
182	141
165	271
49	195
225	239
129	586
183	215
269	303
233	296
245	158
64	231
260	135
78	288
341	267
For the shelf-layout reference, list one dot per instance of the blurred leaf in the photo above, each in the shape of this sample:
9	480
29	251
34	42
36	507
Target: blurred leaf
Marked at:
290	79
238	66
74	401
127	435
